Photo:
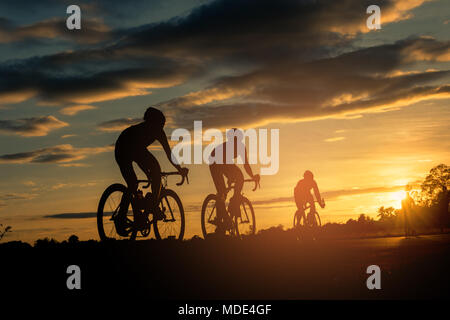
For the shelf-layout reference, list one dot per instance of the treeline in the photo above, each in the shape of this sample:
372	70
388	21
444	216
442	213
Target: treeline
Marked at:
426	209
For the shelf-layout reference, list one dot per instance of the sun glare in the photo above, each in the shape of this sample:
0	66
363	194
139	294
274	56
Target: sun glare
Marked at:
398	196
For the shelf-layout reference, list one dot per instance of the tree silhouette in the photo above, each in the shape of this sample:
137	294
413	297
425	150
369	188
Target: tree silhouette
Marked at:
386	214
436	184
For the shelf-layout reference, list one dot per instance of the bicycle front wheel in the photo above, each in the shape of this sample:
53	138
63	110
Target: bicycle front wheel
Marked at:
209	220
246	222
172	226
316	224
313	224
113	198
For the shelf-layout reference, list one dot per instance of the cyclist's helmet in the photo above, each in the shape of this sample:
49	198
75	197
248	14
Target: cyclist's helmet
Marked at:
155	116
308	175
235	134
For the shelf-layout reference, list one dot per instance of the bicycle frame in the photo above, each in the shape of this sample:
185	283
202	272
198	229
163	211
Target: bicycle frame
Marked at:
164	176
232	185
306	215
227	190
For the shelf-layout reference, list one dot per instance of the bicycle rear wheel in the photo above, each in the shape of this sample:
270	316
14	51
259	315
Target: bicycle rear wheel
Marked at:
112	199
246	222
172	227
209	219
299	225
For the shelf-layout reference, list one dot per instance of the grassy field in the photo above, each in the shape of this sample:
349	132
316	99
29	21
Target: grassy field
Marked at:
271	265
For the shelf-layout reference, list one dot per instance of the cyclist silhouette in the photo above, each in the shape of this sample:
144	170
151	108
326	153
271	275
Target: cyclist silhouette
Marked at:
222	165
131	146
302	192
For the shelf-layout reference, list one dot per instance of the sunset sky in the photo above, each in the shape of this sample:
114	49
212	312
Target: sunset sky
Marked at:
366	110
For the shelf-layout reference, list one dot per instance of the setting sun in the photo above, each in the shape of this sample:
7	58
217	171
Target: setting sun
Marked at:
398	196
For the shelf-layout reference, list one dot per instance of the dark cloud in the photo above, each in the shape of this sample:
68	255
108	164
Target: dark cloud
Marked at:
261	30
76	215
17	81
7	197
16	196
57	154
288	42
116	13
345	85
31	127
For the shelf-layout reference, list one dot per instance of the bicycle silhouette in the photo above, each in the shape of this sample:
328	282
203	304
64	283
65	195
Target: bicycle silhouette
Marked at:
138	222
307	223
242	223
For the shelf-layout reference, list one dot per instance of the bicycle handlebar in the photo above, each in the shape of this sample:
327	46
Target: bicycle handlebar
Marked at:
309	206
257	184
174	173
165	174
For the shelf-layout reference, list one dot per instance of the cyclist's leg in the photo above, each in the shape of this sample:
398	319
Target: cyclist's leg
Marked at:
300	213
219	183
310	200
235	174
150	166
300	203
311	215
127	171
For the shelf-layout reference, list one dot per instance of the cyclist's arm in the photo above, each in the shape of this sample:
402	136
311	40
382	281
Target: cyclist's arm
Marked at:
165	144
316	192
247	167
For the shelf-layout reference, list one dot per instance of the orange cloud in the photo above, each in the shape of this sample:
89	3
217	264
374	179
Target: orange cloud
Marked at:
117	124
93	31
334	139
427	49
391	12
31	127
16	96
73	110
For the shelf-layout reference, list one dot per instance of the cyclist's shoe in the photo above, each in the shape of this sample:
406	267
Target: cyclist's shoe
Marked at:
228	223
234	206
158	214
220	229
140	219
121	224
223	226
